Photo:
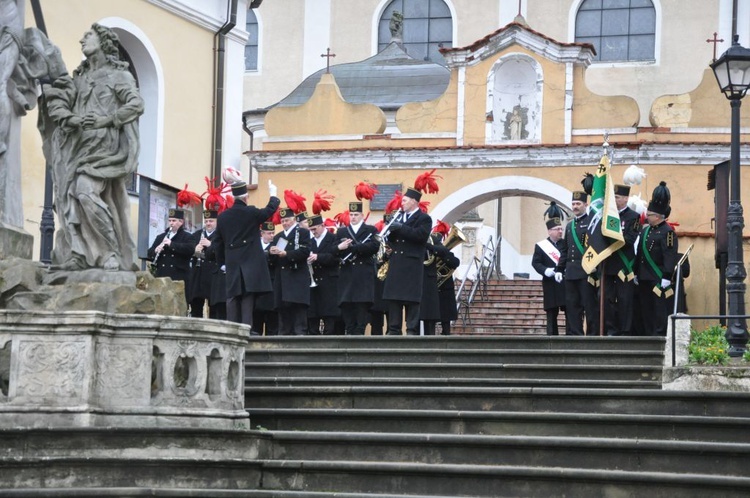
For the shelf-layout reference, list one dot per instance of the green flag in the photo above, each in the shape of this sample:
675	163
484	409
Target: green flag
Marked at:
604	233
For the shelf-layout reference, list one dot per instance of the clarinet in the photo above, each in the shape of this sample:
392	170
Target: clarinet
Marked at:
156	258
345	258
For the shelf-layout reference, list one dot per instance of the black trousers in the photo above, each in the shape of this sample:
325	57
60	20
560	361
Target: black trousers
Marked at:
429	326
217	311
377	321
446	326
552	328
654	310
355	317
395	317
292	319
266	321
619	297
313	325
240	308
580	299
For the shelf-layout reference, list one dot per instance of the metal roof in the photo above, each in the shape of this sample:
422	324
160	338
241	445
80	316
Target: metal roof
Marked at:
389	79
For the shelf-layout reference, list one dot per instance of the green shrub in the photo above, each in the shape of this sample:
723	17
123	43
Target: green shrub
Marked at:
746	356
709	347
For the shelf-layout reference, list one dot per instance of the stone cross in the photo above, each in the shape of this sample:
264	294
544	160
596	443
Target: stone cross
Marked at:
715	41
328	56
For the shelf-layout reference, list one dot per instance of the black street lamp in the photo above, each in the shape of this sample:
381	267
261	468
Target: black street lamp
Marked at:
732	71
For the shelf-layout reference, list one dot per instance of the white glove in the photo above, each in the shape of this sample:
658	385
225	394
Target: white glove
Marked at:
635	280
665	283
558	277
549	272
272	189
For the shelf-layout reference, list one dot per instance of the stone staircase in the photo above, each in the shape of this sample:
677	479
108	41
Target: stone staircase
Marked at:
504	307
487	416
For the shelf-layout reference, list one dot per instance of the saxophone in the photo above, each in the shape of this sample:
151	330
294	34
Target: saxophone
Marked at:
382	236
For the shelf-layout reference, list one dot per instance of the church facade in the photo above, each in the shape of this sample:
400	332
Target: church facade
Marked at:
527	102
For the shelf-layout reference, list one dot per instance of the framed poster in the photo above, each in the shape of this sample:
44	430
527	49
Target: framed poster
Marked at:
155	199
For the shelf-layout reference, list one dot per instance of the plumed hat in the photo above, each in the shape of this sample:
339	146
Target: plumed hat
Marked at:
660	200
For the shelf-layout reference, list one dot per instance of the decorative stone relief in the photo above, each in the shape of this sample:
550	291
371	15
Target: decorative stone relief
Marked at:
52	369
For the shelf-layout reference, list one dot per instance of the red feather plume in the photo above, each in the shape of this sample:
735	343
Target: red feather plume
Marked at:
427	182
380	225
342	218
187	198
442	228
365	190
217	198
294	201
424	205
322	201
330	225
276	217
395	203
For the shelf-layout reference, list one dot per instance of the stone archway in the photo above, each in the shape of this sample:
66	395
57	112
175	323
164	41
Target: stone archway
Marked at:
510	260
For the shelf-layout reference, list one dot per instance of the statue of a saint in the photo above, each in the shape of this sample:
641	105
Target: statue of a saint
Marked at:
91	141
396	26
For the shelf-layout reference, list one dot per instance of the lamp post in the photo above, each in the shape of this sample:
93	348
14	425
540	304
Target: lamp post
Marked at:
732	71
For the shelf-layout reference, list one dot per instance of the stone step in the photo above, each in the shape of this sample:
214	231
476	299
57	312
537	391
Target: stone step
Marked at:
631	455
558	424
252	382
587	343
437	479
467	355
454	370
528	399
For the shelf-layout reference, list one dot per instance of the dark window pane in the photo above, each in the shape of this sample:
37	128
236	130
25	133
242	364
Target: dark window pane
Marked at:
416	50
440	30
395	5
614	22
251	58
415	30
384	31
416	8
642	48
616	4
591	4
614	48
589	23
438	8
642	21
595	42
434	52
641	3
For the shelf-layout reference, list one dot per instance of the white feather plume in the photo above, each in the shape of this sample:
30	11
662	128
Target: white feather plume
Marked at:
637	204
633	175
231	175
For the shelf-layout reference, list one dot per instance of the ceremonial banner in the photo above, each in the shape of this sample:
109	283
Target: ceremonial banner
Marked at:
605	233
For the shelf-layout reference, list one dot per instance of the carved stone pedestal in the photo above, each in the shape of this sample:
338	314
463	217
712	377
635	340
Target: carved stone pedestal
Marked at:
94	369
15	242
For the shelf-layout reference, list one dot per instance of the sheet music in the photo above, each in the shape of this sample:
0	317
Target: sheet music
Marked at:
282	243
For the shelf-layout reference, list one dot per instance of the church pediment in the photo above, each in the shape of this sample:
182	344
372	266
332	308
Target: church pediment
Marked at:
521	35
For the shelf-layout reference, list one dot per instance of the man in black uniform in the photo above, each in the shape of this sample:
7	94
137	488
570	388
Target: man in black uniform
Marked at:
265	316
403	284
289	252
324	265
546	261
580	289
429	307
238	249
656	259
619	279
357	245
172	250
203	269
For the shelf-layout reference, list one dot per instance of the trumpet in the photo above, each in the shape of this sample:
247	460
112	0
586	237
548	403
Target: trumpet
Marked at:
455	237
312	275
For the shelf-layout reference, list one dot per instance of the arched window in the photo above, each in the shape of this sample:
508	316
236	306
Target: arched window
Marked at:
251	48
620	30
428	26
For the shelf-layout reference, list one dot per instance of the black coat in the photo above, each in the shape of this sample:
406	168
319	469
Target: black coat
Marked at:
429	307
203	268
292	281
174	260
357	274
324	296
266	302
238	247
661	243
571	257
447	290
554	293
409	246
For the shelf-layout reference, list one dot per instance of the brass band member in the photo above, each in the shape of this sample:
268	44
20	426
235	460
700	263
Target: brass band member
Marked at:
265	316
203	269
289	251
357	245
403	284
324	265
171	250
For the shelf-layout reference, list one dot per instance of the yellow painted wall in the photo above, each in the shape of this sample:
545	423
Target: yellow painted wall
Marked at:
186	56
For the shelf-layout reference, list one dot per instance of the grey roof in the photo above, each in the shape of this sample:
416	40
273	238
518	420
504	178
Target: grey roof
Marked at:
389	79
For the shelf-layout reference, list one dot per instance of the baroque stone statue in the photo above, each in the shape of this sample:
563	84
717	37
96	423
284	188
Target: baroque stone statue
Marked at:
90	131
